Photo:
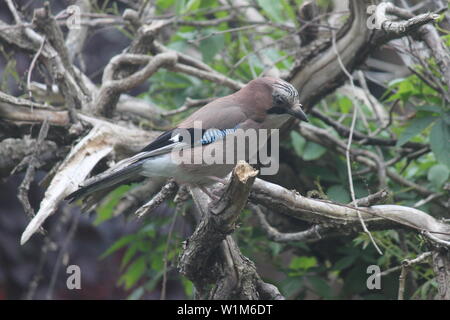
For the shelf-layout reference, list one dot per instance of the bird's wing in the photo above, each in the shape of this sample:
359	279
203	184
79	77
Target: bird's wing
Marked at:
217	121
219	114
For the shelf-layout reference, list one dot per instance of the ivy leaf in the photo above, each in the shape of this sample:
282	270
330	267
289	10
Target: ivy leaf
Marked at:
290	285
339	194
415	127
344	262
438	175
122	242
313	151
432	109
273	9
106	210
320	286
136	294
440	141
210	46
303	263
134	272
345	104
298	143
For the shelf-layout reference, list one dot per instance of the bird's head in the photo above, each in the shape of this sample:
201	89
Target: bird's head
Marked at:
285	100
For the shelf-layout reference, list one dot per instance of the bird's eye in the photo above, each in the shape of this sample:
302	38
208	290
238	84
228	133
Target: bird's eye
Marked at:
279	100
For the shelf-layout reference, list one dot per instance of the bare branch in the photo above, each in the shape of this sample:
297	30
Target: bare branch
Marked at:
216	224
166	192
108	95
400	27
278	199
419	259
316	232
372	199
29	174
441	266
100	141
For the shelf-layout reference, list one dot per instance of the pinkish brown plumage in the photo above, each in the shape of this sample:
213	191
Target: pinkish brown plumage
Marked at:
264	103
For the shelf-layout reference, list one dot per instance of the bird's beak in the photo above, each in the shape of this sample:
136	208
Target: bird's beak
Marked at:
297	112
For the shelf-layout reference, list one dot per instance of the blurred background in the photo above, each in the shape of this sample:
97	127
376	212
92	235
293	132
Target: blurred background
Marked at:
123	258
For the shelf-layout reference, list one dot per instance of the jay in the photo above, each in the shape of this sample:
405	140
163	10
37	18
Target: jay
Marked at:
264	103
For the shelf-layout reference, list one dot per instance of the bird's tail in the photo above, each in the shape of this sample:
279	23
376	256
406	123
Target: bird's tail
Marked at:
105	180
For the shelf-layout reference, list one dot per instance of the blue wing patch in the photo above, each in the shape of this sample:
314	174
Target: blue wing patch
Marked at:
211	135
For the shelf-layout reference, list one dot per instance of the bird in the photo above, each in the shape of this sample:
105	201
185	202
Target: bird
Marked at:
263	103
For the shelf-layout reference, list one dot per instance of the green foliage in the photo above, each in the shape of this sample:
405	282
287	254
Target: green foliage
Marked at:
415	127
307	150
106	210
333	268
143	255
339	194
439	140
438	174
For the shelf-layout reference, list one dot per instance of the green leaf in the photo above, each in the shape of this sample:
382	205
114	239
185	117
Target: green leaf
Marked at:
105	211
415	127
440	141
192	5
345	104
164	4
303	263
432	109
275	248
298	143
338	193
320	286
438	175
272	8
188	287
210	46
154	280
129	254
122	242
313	151
291	285
180	6
344	262
136	294
134	272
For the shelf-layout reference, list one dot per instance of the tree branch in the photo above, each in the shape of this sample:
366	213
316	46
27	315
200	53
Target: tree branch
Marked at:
198	261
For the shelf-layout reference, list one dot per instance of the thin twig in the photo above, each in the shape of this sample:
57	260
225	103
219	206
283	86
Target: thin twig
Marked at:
30	70
167	191
62	252
314	233
180	198
14	11
33	161
349	143
436	239
49	245
420	258
215	33
372	199
402	281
